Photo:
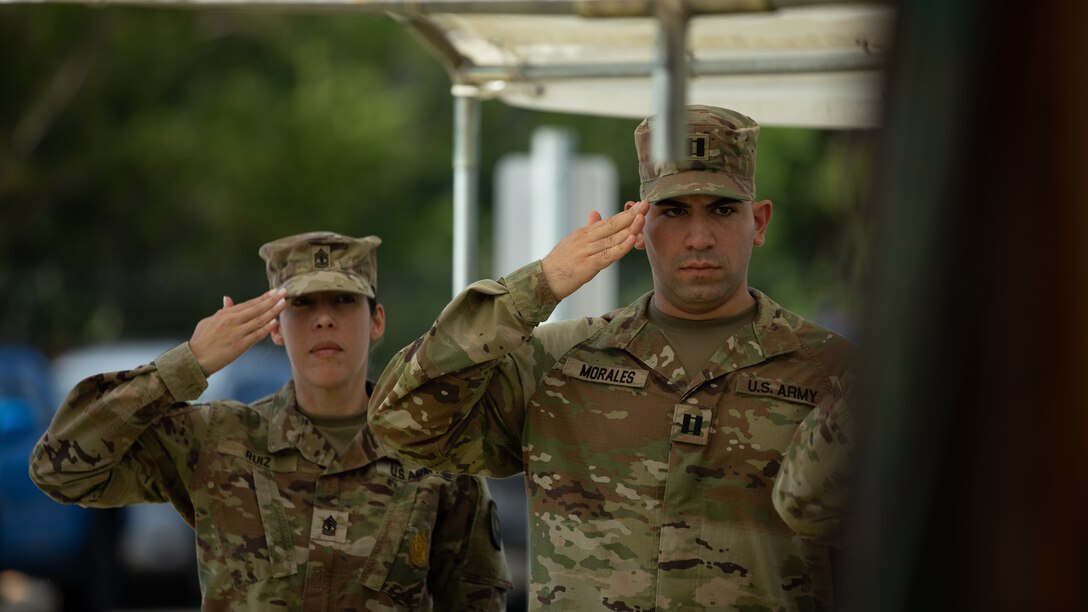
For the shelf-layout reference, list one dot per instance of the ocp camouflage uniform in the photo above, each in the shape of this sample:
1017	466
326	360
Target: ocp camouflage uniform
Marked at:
649	488
281	521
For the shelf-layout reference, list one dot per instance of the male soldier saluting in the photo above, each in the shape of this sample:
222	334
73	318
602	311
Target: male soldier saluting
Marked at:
651	437
294	504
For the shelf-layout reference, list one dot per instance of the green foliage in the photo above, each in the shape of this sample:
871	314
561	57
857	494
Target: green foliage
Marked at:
813	260
184	140
146	154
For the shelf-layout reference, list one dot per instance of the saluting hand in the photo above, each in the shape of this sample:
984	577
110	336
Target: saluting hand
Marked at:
224	336
592	248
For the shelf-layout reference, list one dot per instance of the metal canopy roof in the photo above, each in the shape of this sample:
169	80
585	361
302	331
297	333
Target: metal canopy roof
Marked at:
807	63
811	66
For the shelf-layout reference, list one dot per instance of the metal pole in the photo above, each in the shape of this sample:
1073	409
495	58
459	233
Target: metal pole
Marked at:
551	157
466	179
670	80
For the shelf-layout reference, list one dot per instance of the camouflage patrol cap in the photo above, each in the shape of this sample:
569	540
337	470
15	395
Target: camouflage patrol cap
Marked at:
322	261
721	160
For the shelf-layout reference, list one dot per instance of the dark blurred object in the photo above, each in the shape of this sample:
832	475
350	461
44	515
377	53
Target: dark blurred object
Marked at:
69	546
156	557
976	330
509	496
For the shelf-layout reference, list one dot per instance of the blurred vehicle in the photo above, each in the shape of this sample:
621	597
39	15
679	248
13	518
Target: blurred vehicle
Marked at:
513	507
156	552
65	545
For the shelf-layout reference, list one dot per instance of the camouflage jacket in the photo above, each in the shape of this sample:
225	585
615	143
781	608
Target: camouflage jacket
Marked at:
281	521
649	488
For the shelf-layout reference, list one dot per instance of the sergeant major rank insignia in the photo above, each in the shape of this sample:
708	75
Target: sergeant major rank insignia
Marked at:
329	526
321	256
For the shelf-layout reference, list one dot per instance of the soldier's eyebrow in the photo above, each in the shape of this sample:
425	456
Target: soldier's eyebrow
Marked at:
671	203
726	202
719	202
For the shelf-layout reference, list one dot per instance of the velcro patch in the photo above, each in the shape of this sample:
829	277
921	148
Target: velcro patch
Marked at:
329	526
320	254
609	375
691	424
699	146
397	470
765	387
276	463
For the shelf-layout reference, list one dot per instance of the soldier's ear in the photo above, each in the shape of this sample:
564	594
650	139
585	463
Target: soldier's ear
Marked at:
377	323
277	335
761	212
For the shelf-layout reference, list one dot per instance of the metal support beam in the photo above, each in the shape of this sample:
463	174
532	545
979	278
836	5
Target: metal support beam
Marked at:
670	83
466	180
843	61
582	8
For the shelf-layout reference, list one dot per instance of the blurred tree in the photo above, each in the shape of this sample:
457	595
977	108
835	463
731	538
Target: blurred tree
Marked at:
146	154
152	152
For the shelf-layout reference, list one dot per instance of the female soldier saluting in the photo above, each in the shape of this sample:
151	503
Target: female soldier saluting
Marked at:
294	504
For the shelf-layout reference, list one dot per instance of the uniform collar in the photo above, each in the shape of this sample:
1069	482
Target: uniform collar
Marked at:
629	329
289	428
772	330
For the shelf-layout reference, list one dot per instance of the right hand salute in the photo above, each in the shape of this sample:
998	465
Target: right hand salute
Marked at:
224	336
592	248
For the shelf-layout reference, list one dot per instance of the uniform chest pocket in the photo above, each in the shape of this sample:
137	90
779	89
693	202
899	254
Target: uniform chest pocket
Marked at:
254	533
401	559
755	424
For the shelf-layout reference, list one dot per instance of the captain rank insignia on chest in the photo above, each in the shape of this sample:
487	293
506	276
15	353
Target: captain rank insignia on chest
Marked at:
691	424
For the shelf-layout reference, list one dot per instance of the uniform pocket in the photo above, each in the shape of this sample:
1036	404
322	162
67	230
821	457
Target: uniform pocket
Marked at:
401	559
251	519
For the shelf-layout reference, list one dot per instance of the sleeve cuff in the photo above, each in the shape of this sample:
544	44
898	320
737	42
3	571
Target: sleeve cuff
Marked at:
181	373
530	292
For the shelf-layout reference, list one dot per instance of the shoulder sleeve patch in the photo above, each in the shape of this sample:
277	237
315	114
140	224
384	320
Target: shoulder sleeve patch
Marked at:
493	523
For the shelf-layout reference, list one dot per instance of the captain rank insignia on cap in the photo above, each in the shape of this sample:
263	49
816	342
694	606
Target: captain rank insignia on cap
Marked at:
699	146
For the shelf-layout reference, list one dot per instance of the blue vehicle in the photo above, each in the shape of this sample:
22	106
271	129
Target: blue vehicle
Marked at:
100	559
66	545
